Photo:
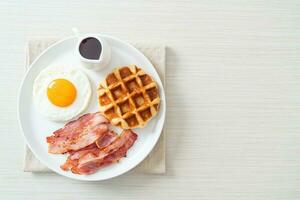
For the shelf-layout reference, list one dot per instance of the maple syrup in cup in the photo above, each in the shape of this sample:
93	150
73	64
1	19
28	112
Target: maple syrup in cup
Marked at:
94	51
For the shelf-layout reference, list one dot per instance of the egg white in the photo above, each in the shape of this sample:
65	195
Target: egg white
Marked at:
51	111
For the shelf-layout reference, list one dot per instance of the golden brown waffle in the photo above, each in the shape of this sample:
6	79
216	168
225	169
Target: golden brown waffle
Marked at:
128	97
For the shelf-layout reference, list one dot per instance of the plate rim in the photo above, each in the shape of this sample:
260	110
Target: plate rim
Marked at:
79	177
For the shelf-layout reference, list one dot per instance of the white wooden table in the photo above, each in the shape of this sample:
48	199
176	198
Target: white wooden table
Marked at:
233	81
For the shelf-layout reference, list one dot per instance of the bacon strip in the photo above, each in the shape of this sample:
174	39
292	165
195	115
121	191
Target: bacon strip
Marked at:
95	159
101	143
78	134
106	139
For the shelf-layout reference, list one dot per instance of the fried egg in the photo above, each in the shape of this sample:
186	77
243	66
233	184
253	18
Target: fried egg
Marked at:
61	93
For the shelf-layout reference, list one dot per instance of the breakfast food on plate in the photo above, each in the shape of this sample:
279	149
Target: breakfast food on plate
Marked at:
78	134
128	97
90	144
72	160
91	160
74	156
106	139
61	93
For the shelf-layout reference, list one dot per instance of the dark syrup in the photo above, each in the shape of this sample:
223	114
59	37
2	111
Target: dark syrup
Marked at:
90	48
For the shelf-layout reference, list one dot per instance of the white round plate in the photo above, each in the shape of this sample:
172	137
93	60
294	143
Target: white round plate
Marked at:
35	128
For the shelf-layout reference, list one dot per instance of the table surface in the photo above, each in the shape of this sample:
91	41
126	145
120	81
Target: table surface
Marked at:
233	80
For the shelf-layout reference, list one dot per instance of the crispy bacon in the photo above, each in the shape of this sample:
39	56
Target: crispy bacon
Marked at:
101	143
106	139
90	144
72	159
95	159
78	134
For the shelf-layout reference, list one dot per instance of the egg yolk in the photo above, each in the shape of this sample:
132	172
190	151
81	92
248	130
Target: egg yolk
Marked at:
61	92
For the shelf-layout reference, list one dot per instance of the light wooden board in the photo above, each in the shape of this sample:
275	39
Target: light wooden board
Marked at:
233	83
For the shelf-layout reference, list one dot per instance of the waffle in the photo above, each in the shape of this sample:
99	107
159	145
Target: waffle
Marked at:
128	97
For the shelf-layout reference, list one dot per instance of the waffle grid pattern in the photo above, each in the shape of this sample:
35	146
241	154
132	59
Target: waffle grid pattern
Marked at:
128	97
